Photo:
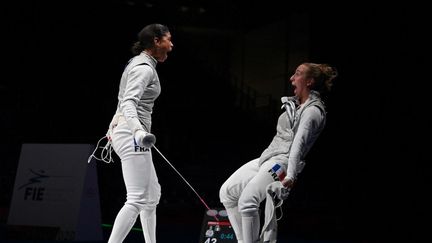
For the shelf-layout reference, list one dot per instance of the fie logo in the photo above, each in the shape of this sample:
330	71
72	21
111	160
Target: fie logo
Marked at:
31	190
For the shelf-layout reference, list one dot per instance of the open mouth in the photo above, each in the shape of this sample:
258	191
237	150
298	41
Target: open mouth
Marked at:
294	88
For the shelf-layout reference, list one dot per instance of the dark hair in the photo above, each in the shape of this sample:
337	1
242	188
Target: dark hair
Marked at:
146	37
323	74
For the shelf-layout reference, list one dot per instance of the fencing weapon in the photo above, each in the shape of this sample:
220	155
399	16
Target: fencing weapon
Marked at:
196	193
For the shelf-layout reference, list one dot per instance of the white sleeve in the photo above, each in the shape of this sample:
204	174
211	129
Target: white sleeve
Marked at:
138	79
310	121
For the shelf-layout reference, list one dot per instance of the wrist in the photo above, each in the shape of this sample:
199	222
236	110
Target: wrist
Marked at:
288	182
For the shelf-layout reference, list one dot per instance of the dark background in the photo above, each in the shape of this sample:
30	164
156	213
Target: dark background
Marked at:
365	179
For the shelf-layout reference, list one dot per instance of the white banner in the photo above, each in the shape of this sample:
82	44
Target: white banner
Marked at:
56	187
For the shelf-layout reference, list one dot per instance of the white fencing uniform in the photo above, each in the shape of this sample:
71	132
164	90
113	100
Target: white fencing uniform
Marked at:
245	189
139	87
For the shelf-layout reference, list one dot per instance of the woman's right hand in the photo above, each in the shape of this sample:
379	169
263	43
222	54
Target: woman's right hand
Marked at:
144	139
288	183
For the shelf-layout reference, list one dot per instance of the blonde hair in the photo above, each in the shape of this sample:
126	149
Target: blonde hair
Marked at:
323	74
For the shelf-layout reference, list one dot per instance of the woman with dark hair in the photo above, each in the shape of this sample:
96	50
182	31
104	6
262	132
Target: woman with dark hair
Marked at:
130	135
278	166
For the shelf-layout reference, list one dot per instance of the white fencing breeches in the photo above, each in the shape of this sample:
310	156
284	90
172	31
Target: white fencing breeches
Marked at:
142	187
246	189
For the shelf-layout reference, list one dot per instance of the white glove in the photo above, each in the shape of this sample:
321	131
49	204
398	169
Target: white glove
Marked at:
144	139
278	191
